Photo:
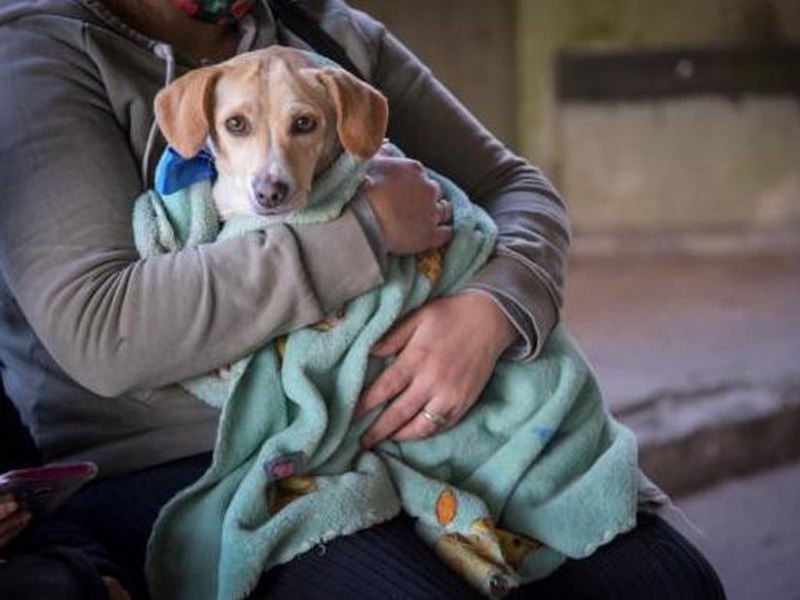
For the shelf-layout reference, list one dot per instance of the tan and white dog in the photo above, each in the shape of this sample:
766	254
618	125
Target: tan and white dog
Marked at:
272	119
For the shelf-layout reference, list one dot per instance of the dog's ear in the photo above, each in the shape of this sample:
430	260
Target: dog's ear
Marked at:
362	112
183	109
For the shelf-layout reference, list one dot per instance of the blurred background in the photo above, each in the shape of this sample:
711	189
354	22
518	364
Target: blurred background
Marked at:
672	129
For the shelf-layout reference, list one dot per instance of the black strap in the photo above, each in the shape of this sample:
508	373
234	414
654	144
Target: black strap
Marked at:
304	26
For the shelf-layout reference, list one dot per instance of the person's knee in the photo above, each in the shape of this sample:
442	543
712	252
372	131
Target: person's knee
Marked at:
691	570
651	562
56	575
666	565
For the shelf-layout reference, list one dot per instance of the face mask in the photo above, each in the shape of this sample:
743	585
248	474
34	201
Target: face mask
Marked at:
221	12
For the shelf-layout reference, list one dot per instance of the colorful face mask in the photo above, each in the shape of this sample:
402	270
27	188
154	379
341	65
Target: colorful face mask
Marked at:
221	12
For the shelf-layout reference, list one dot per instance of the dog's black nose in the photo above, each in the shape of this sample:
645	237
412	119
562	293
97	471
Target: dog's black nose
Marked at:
269	193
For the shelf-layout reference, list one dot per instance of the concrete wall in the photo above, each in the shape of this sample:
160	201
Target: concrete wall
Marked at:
699	175
545	27
707	174
469	45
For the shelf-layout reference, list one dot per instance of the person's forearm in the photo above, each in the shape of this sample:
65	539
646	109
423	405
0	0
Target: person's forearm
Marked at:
113	322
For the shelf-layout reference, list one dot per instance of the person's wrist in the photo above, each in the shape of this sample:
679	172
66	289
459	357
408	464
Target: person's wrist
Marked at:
372	228
370	191
502	330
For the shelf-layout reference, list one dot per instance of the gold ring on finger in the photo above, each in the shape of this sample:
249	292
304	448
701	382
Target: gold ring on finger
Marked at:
434	418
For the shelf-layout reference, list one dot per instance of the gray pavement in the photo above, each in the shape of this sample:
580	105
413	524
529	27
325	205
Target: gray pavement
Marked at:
701	357
665	325
751	533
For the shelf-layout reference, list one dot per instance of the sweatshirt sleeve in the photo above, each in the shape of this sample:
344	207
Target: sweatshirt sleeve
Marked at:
114	322
526	274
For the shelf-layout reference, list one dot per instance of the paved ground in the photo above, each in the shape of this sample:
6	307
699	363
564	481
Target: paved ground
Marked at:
698	356
752	530
659	326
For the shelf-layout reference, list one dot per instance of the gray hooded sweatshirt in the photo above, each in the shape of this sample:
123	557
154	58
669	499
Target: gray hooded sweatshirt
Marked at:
93	339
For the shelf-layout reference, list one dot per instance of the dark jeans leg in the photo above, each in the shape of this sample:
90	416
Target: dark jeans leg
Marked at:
387	561
652	562
54	573
109	522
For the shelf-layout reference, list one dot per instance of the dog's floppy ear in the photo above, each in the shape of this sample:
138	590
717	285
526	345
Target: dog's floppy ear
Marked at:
362	112
182	110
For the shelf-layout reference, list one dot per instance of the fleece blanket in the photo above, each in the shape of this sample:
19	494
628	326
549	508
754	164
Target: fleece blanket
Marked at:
536	472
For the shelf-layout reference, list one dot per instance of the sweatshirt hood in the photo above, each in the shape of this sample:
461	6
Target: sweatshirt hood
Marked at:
91	11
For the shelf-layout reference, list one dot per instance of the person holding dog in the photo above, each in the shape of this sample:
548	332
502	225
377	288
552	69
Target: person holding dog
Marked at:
92	339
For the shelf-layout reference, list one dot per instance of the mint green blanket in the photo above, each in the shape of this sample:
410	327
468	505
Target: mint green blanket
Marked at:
537	471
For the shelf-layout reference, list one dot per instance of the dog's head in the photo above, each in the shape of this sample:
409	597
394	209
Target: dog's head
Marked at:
273	119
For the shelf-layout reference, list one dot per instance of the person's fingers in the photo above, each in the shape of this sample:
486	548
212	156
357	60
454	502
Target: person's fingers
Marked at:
393	380
12	526
396	415
381	158
115	589
397	337
384	150
442	235
385	160
7	507
444	210
20	518
423	425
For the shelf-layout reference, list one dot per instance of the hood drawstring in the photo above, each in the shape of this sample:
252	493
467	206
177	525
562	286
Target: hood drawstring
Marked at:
248	29
165	53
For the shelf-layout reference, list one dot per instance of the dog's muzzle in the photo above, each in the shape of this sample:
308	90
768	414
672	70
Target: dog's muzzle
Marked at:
269	194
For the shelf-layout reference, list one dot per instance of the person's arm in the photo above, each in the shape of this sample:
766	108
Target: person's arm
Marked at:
526	275
442	360
112	321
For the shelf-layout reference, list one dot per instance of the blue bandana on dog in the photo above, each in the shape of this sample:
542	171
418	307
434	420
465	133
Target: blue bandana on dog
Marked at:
174	172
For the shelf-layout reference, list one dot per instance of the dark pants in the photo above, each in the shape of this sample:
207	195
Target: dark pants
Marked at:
108	523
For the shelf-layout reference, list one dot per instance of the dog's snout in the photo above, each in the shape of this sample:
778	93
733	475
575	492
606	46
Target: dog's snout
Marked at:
269	193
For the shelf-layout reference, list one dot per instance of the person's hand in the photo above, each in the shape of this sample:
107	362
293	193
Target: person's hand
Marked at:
12	520
115	590
446	351
408	205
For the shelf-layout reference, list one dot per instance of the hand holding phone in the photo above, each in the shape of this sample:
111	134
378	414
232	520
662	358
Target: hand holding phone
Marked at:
41	490
12	521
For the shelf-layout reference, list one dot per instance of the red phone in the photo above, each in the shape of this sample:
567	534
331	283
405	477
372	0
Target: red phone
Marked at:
41	490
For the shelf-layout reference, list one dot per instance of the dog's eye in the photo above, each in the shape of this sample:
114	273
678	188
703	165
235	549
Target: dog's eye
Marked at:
303	125
237	125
